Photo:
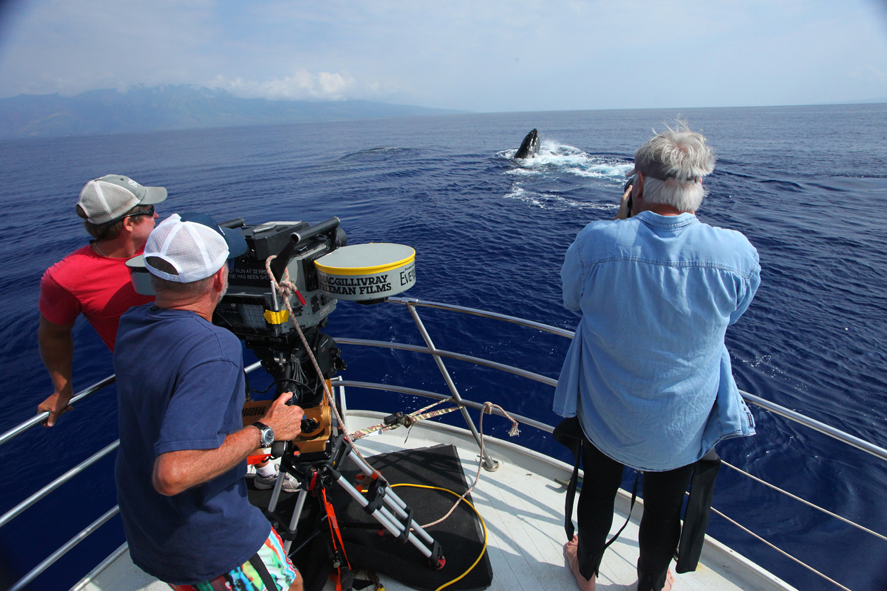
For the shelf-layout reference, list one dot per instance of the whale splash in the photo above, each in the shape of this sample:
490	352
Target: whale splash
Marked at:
550	174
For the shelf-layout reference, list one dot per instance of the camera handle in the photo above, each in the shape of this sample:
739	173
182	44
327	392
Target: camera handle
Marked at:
278	265
278	448
232	224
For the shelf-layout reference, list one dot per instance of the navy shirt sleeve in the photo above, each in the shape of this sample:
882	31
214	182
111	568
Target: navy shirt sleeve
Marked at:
198	413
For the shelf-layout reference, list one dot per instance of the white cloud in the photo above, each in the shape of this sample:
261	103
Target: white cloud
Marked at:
496	55
301	85
868	72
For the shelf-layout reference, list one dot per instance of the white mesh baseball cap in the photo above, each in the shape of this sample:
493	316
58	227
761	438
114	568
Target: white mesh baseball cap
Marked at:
193	244
108	198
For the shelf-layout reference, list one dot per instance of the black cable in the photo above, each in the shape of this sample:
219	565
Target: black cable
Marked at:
280	381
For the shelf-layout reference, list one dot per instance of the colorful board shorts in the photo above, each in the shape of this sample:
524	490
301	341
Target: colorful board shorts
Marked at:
247	577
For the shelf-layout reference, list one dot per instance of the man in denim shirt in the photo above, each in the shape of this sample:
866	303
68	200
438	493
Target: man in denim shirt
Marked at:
648	373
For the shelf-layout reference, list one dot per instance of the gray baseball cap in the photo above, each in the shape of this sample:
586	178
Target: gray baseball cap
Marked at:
109	197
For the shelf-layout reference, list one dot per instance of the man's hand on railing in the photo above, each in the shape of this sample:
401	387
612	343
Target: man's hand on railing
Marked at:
56	405
57	352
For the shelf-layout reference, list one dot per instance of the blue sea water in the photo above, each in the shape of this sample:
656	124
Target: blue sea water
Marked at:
807	185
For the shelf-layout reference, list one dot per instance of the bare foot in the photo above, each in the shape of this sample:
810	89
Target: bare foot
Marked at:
571	549
669	581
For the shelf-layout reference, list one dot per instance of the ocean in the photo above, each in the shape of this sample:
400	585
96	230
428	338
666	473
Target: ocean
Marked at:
806	185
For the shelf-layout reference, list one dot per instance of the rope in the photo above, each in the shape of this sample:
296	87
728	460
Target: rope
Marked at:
287	288
808	503
415	417
487	410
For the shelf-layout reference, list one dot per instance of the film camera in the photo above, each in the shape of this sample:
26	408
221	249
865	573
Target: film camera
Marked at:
323	269
255	312
317	260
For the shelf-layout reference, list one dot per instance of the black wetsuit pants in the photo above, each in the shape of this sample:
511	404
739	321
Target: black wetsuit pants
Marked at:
660	528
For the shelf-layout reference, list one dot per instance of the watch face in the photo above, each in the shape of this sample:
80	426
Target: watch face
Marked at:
267	433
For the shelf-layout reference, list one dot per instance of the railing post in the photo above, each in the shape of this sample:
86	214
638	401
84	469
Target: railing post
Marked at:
489	463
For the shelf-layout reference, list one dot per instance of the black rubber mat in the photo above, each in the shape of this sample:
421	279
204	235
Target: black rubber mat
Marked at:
461	536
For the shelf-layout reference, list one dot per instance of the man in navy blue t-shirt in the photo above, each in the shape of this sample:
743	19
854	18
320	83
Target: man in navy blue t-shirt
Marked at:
182	460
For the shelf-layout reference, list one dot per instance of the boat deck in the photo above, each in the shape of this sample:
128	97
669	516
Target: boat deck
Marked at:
522	506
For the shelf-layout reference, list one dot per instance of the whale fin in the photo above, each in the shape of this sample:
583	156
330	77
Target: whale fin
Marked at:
530	146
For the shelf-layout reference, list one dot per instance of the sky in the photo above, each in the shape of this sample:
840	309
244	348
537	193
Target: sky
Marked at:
471	55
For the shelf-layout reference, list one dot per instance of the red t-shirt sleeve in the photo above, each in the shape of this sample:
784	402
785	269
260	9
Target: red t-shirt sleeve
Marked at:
57	304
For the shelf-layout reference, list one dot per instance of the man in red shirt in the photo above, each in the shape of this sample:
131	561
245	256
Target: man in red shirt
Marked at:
94	280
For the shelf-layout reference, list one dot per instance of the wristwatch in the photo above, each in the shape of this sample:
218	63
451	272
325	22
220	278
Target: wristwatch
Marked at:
267	433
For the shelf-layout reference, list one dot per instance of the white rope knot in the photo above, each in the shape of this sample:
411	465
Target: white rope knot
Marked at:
488	409
284	287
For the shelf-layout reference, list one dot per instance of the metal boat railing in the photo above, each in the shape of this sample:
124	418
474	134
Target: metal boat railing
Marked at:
439	355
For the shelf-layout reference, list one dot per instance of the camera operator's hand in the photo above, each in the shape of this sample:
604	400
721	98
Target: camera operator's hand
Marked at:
285	420
624	211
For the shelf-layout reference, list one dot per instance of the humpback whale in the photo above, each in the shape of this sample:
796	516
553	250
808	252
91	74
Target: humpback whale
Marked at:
529	147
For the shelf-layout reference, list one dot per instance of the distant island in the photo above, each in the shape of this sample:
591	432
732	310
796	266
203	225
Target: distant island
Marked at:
169	107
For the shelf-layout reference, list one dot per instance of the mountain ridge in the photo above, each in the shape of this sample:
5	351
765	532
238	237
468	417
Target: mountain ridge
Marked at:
169	107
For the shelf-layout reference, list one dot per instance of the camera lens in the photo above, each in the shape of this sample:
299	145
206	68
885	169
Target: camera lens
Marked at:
629	182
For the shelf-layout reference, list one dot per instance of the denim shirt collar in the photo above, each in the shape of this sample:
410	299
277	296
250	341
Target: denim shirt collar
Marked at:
667	222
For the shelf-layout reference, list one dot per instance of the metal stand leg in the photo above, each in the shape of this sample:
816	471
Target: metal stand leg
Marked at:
386	519
297	513
380	502
392	500
275	495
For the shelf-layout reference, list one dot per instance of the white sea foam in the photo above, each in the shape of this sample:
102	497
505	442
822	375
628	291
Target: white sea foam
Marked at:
563	161
566	159
544	200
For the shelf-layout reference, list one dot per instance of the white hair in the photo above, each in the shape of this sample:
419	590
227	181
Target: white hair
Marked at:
682	157
683	196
